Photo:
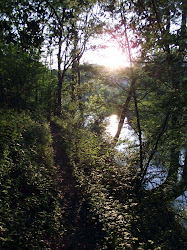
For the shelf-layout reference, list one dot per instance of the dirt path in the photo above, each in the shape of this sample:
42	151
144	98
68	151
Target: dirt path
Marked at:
79	231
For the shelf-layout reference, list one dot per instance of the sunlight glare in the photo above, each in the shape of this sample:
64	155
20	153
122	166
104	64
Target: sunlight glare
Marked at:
113	125
126	132
113	58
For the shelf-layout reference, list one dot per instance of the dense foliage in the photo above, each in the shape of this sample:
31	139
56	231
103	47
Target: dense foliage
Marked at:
29	206
129	194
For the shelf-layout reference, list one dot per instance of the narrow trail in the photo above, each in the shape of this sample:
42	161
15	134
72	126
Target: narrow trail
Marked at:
79	231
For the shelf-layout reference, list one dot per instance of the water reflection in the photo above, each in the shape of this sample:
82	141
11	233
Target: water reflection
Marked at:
127	135
112	125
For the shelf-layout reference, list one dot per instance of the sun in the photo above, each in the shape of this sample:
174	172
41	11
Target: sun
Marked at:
113	58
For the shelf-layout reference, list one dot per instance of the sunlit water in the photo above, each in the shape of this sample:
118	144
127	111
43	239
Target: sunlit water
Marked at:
127	133
112	127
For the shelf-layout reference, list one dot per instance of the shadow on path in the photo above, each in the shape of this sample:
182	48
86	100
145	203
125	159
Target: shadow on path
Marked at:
79	230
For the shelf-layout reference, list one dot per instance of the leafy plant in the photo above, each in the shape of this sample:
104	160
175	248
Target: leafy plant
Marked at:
29	206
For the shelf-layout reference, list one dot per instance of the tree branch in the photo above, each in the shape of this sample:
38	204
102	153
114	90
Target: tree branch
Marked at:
57	16
163	129
125	110
139	131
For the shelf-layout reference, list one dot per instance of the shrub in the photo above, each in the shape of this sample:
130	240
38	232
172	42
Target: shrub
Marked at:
28	203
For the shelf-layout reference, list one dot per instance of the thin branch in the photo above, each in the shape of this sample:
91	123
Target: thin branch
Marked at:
139	130
57	16
157	15
163	129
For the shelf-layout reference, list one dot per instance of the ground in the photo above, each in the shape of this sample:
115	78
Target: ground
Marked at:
79	231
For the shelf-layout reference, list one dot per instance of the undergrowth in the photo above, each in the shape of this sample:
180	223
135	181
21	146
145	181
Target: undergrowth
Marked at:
130	220
28	204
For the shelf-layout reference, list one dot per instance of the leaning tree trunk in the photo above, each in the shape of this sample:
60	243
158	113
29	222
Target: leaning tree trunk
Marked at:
125	110
132	84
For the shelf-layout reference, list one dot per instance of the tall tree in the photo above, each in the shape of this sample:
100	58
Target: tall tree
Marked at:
169	21
71	25
158	30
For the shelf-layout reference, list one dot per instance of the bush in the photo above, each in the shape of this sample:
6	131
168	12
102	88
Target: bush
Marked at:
102	182
129	219
28	203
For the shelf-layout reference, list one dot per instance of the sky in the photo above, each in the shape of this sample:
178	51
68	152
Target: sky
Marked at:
111	57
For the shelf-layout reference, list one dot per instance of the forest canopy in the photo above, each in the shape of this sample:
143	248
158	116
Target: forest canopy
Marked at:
128	187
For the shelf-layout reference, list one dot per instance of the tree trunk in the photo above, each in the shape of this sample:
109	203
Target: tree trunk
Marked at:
60	78
125	110
139	132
